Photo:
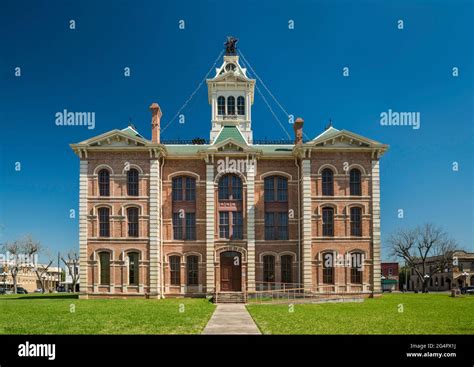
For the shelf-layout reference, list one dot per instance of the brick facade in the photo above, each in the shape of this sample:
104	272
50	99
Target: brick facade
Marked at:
298	256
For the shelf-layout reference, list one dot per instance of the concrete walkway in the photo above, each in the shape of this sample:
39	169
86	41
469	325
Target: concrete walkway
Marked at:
231	319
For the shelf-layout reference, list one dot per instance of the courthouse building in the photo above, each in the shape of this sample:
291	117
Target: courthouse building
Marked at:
233	214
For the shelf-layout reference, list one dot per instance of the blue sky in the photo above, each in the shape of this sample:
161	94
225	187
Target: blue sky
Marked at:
407	70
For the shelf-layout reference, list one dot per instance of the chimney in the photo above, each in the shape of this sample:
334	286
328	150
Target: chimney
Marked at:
298	127
155	122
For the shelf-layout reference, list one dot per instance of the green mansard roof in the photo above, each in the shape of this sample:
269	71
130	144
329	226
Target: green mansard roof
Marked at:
230	132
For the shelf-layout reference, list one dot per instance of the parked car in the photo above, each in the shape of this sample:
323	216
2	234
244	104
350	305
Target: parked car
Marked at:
61	289
2	290
467	290
38	290
21	290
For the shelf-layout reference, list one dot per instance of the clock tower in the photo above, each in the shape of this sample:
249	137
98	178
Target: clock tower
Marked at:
231	95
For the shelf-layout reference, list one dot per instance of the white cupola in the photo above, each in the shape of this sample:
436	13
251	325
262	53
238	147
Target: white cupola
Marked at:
231	95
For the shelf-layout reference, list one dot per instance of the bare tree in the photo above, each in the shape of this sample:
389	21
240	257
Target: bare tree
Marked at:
13	262
71	260
416	245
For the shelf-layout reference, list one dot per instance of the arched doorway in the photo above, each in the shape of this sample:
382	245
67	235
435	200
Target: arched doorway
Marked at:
231	271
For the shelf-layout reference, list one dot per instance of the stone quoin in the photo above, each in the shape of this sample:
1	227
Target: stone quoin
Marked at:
159	219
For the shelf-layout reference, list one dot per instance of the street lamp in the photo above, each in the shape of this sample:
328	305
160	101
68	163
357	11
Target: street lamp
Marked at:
465	274
426	276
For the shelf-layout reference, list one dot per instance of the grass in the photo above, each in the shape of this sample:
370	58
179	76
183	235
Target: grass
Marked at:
52	314
422	314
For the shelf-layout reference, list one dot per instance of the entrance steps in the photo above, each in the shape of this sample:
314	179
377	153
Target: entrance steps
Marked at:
230	297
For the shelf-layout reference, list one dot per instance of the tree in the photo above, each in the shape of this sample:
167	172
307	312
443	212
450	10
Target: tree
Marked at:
416	245
13	262
72	263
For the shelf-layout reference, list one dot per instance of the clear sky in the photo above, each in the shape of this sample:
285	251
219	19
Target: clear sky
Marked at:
405	70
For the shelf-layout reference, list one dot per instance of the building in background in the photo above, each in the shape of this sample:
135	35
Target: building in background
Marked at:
459	274
234	214
28	279
390	279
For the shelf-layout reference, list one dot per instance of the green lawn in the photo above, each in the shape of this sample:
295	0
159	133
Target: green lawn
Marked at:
422	314
51	314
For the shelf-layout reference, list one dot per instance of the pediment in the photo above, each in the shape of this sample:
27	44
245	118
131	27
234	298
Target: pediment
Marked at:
115	138
344	139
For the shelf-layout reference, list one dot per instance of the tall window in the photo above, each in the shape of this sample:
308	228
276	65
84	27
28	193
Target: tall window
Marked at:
104	182
276	189
268	268
328	268
104	222
356	221
221	105
192	270
230	187
276	225
132	182
133	268
231	105
356	268
132	217
184	226
241	105
286	268
184	188
175	270
354	182
237	225
328	221
224	230
104	262
328	182
276	208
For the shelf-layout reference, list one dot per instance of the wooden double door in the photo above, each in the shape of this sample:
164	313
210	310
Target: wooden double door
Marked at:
231	271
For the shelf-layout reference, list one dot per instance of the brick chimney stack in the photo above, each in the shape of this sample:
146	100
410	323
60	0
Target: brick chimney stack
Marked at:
298	128
155	122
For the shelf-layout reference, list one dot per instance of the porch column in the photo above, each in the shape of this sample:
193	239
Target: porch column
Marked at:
155	256
210	218
376	281
251	171
83	263
306	223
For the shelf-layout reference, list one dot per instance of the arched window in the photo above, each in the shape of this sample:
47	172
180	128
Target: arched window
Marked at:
328	182
230	187
104	182
286	269
240	105
269	268
355	185
328	221
356	221
132	217
132	182
184	188
221	105
104	263
357	266
175	270
328	268
192	269
276	189
104	222
231	105
133	267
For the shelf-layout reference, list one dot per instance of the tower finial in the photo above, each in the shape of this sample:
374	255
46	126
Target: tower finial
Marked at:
231	46
329	124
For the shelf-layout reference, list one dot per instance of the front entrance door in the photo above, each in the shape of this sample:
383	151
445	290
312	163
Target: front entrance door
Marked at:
231	272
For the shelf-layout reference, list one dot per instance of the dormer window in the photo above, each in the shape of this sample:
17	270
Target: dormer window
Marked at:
240	105
231	105
221	105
